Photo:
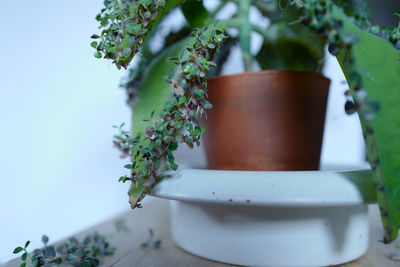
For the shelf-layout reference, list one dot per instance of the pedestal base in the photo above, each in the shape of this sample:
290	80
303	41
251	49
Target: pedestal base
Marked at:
271	236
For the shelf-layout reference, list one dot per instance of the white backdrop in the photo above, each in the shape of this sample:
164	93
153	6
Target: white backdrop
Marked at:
58	170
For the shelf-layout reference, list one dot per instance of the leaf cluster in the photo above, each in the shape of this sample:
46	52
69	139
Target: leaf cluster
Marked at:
152	154
40	257
77	254
124	26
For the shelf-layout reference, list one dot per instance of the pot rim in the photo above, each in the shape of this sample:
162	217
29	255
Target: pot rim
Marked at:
346	187
284	73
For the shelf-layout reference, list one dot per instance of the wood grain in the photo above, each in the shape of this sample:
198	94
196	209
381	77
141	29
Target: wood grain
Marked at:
155	215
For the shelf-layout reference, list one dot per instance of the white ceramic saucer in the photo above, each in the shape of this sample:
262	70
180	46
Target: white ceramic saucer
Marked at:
270	188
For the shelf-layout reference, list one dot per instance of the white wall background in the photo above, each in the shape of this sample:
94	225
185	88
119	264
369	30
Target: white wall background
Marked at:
57	106
58	170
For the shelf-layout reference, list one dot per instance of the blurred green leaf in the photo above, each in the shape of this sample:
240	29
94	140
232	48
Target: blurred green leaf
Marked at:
97	54
195	13
23	257
154	90
93	44
135	193
379	64
18	250
292	47
45	239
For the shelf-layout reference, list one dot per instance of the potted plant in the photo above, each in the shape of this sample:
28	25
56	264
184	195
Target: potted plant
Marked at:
164	118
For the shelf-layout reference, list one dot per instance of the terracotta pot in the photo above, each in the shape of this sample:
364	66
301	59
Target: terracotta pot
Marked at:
267	120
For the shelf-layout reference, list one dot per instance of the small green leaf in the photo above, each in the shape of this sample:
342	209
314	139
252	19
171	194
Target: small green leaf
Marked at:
208	106
18	250
94	36
181	100
211	46
27	243
218	38
128	166
96	262
45	239
174	166
123	178
197	131
93	44
126	52
147	14
23	257
163	113
160	127
199	93
97	54
189	127
135	194
23	264
177	116
49	252
167	139
173	146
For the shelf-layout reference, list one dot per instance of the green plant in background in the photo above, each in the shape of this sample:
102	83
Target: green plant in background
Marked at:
369	58
166	111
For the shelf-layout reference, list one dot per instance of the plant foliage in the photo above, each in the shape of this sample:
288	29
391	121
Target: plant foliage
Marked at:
371	66
294	40
125	24
77	254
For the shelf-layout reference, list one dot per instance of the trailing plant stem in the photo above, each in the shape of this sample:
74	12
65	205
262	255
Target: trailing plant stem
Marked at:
262	31
217	9
236	23
373	159
245	32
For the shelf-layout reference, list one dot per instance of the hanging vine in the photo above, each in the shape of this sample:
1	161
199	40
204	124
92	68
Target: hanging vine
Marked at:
152	155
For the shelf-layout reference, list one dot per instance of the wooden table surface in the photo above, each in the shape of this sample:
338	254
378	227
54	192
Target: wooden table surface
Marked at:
155	215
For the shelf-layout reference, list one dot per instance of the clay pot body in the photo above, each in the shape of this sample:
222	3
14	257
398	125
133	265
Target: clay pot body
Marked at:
266	120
